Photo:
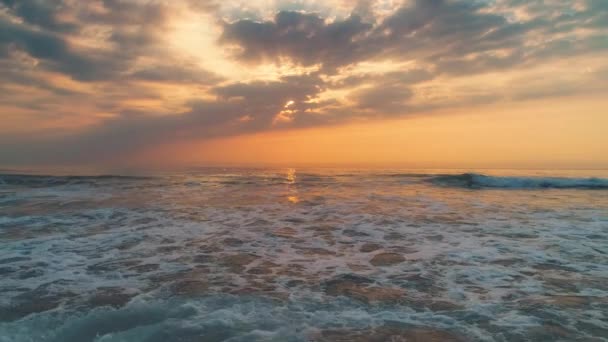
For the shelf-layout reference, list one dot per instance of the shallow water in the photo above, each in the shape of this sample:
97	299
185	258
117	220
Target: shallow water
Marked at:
305	255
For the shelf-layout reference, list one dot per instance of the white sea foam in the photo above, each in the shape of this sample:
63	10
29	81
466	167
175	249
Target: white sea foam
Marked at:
235	256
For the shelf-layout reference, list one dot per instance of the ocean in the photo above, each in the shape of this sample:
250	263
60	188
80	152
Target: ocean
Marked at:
305	255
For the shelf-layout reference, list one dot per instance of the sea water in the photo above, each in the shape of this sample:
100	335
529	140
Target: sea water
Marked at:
305	255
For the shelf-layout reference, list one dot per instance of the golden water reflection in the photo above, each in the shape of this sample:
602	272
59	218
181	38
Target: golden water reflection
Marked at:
291	176
291	179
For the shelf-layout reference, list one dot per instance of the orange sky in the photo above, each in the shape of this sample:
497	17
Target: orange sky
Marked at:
409	83
534	134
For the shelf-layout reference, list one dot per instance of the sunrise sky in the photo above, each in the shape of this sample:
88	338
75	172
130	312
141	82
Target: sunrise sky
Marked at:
414	83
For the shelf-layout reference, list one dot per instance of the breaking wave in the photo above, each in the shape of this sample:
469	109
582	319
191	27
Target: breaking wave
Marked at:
46	181
479	181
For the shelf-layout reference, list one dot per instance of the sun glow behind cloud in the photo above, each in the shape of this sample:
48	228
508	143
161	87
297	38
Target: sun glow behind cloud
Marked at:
521	135
150	76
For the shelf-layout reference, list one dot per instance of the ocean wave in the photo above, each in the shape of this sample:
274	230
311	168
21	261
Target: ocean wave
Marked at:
479	181
48	181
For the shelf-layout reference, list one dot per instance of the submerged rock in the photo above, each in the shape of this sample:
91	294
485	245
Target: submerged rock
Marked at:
387	259
370	247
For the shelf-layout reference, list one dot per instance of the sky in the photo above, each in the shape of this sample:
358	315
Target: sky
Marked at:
412	83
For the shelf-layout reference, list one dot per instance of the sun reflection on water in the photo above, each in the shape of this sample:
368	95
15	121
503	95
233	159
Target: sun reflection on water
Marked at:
291	176
291	179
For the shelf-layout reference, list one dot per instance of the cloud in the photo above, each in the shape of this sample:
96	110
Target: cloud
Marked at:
37	44
305	38
44	14
134	30
239	108
384	98
450	34
117	59
175	74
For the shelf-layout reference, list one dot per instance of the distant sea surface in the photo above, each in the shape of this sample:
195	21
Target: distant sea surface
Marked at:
305	255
